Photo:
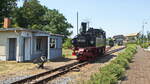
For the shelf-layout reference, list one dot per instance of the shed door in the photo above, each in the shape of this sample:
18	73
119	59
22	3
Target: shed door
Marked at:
27	47
12	49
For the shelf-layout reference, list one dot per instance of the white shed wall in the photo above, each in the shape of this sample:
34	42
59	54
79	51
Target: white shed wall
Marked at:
4	43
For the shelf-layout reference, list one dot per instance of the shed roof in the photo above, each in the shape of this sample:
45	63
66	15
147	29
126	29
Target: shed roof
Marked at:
29	30
118	36
132	34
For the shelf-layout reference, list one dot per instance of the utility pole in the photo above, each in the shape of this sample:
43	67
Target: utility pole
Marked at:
143	33
77	23
143	29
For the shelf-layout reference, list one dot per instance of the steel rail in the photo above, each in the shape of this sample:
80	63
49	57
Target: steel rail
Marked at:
43	74
45	80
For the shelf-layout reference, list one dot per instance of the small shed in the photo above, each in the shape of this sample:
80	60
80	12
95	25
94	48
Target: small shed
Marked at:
21	44
132	37
119	39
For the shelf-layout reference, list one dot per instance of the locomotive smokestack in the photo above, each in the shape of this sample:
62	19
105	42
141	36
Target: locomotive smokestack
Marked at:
84	27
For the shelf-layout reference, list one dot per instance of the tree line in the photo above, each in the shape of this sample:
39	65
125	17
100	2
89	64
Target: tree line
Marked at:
33	15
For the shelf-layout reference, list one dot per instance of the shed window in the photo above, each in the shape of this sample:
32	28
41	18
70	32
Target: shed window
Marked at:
52	43
38	44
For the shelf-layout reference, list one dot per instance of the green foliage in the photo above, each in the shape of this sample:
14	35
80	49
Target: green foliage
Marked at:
64	55
144	45
127	57
55	22
35	16
30	14
148	35
144	40
103	78
6	9
67	52
67	43
114	71
122	62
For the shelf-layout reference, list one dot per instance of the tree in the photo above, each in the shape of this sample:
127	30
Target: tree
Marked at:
30	14
7	8
35	16
67	43
56	23
148	35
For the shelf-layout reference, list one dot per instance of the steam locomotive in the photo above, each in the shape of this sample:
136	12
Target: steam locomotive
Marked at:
89	44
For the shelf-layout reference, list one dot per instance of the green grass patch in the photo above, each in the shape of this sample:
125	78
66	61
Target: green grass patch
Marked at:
67	52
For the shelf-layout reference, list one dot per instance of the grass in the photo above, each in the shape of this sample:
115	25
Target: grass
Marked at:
67	53
7	67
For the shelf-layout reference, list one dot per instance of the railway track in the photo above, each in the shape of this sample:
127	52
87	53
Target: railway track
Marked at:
44	77
34	77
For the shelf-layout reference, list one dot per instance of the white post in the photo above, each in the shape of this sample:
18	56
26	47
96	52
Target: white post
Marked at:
48	50
18	49
31	47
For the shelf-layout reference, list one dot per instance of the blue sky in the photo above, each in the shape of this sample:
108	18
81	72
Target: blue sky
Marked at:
114	16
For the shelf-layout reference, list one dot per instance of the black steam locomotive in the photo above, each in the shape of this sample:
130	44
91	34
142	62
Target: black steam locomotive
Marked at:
89	43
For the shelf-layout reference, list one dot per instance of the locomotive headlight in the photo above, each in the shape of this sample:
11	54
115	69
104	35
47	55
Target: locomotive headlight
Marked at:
92	42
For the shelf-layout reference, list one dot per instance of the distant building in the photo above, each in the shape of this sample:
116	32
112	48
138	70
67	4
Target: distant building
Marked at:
119	39
20	44
132	37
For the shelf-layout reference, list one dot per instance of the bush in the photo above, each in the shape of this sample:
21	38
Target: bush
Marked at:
144	45
114	71
67	44
122	62
103	78
127	56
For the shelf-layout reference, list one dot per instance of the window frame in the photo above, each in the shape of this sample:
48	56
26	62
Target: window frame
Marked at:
54	42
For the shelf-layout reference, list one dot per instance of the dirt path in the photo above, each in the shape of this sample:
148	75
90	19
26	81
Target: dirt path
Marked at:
139	72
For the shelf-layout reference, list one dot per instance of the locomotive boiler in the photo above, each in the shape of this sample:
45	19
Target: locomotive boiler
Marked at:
89	44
